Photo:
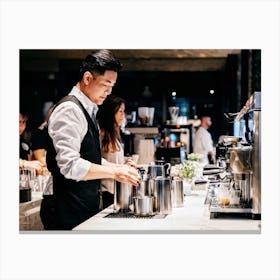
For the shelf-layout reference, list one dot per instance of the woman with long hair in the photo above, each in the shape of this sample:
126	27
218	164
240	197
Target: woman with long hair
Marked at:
110	117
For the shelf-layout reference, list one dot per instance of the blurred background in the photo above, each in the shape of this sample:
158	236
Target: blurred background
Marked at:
199	82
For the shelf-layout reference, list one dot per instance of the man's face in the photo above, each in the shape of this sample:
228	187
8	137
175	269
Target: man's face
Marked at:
208	121
98	87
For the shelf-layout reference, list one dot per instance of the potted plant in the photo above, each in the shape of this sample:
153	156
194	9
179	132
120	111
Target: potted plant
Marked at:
194	157
189	170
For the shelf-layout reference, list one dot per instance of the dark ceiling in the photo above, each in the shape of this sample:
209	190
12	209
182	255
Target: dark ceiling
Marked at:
191	60
50	74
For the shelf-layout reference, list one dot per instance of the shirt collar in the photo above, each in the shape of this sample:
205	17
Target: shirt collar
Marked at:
86	102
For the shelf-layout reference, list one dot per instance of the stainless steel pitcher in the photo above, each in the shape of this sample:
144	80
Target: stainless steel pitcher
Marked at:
159	170
145	188
143	206
123	201
162	195
243	182
177	192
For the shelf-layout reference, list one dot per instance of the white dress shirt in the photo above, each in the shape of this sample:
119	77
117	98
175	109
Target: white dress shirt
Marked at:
67	127
203	144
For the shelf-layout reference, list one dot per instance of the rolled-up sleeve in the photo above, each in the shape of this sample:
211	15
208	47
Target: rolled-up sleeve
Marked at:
67	128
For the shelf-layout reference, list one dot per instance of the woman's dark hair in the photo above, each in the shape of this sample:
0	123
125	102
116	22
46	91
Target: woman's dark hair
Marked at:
106	119
99	62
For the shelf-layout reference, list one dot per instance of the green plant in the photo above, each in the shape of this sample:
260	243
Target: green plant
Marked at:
194	157
187	170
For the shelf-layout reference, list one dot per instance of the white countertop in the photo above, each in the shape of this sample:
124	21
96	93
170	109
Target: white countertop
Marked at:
194	217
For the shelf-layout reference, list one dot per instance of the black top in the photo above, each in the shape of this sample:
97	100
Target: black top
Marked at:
24	149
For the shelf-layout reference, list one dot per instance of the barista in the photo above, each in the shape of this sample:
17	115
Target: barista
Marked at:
203	143
73	150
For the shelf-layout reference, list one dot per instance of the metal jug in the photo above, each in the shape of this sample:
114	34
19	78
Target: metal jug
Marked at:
162	195
243	183
145	188
177	192
143	206
159	170
123	197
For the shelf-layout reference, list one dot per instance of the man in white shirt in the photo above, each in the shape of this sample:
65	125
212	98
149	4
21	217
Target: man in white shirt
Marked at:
73	153
203	143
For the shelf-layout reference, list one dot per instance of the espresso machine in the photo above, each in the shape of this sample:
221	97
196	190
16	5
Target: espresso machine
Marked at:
239	191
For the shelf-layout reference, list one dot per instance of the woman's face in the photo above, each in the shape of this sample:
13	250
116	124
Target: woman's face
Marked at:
22	124
120	114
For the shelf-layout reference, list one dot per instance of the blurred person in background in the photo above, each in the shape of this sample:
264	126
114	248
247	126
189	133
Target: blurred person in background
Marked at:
25	154
203	143
110	116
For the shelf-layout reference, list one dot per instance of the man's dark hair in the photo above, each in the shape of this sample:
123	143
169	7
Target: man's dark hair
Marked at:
99	62
204	116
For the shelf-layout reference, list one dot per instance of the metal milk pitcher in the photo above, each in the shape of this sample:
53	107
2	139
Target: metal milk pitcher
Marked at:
177	192
243	182
123	194
145	188
162	195
158	170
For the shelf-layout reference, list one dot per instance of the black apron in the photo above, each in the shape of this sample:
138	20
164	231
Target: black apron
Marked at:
72	202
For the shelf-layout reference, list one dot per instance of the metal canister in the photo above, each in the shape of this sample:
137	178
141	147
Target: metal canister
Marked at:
144	188
177	192
162	195
159	170
123	194
243	182
143	206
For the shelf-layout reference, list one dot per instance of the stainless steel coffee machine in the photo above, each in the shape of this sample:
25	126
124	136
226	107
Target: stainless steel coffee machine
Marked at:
241	155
